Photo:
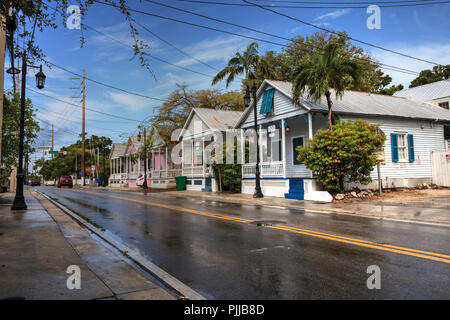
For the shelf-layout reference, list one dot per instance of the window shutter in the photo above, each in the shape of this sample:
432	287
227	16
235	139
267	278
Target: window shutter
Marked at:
269	100
263	104
394	145
266	104
411	147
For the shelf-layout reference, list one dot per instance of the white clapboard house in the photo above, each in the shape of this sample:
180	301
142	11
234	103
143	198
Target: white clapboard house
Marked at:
203	127
413	130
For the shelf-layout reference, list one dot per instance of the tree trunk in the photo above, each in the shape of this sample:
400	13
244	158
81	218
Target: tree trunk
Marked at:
330	110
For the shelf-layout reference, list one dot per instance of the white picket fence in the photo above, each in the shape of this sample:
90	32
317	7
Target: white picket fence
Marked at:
440	165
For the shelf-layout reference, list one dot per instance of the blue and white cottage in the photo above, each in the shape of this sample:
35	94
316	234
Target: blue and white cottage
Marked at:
413	131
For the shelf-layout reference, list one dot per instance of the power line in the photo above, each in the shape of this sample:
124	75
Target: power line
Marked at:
314	7
78	106
338	34
402	70
151	55
342	2
173	46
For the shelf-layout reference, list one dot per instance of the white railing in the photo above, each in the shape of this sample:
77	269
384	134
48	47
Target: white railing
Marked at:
163	174
268	169
193	171
273	169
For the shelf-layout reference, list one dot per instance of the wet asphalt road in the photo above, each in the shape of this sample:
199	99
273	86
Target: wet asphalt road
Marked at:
228	259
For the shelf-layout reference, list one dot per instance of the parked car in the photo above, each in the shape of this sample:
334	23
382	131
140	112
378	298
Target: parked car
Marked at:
35	182
65	181
140	180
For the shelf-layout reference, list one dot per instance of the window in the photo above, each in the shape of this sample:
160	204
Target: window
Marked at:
402	147
296	141
444	105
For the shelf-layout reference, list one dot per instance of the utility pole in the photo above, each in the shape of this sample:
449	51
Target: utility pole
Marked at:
52	141
2	78
82	130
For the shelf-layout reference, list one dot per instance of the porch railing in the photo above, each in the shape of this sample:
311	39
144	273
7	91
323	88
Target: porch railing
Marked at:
193	171
267	169
170	173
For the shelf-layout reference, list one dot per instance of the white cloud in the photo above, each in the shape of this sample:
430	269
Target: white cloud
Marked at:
333	14
218	49
435	52
133	103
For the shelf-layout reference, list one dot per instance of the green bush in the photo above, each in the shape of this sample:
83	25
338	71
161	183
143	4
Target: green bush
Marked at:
346	154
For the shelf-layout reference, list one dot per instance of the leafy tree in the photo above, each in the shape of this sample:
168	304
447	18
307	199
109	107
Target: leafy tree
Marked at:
438	73
248	63
229	175
63	163
10	133
324	71
383	88
346	153
303	49
174	112
35	16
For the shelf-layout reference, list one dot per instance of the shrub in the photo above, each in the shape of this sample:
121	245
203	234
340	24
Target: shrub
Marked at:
347	153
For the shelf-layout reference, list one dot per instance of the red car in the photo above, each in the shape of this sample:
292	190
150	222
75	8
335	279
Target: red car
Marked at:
65	181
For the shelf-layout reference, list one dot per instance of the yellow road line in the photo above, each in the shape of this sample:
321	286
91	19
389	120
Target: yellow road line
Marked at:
373	246
369	242
364	243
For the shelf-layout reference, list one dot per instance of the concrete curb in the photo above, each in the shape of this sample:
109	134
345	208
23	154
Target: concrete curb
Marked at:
136	257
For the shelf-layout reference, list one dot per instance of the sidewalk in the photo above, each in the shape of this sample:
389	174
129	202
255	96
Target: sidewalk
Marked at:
417	211
37	246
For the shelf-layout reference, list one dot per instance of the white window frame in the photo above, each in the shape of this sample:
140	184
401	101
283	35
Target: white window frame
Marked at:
292	148
406	146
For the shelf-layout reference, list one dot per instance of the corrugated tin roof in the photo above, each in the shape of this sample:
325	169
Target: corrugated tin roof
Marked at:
219	119
363	103
118	149
427	92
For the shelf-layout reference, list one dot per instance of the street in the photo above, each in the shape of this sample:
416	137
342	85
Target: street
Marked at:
235	251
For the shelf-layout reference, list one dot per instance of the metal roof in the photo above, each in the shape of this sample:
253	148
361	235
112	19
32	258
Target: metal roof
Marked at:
370	104
426	92
118	150
218	119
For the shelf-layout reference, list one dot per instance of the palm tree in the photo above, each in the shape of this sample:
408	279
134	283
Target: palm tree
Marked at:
325	71
241	63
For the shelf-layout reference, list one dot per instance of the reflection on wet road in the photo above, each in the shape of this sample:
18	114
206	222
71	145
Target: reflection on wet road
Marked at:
219	250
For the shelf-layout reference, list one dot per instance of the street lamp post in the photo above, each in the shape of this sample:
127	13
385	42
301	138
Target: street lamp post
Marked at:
258	193
19	200
144	185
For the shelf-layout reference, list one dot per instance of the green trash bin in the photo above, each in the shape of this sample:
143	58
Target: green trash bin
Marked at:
181	183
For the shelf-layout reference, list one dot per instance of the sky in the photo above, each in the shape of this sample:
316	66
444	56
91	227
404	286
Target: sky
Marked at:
420	31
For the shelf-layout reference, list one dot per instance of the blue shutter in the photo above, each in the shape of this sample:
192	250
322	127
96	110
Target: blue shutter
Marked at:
411	147
269	100
266	104
394	145
263	104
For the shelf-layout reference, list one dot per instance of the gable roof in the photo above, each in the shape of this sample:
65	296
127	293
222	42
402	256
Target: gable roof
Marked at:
426	92
362	103
118	150
214	119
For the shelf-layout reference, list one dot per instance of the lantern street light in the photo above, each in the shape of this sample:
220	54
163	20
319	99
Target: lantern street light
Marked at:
258	193
144	185
19	200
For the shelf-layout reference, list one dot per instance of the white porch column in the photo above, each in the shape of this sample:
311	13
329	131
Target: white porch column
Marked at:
242	148
203	156
159	160
166	162
192	156
283	147
182	156
310	125
260	150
